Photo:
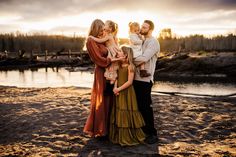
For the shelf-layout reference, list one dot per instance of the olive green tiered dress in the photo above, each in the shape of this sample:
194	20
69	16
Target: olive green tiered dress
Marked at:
126	120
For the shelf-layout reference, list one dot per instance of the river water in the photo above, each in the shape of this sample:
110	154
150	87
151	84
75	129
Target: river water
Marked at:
61	77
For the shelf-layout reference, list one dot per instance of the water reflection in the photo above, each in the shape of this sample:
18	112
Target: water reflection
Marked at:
46	77
60	77
195	88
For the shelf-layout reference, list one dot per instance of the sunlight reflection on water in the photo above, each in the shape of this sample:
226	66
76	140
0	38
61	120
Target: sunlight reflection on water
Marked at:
60	77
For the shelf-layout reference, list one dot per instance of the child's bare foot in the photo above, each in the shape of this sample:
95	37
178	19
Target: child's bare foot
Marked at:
144	73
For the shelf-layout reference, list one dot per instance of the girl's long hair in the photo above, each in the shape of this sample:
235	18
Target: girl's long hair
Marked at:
114	29
129	52
113	26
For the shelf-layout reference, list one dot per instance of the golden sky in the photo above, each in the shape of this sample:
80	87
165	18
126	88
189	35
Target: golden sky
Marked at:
184	17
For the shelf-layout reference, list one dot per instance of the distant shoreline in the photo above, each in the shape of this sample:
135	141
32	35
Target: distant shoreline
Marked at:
180	64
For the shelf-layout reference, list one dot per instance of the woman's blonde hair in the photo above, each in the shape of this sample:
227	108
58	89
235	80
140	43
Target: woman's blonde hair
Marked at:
96	27
132	26
129	52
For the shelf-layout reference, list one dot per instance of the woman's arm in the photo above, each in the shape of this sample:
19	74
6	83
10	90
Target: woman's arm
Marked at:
100	40
95	54
129	82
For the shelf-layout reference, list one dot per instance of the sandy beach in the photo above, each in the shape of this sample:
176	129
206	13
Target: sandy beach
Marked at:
49	122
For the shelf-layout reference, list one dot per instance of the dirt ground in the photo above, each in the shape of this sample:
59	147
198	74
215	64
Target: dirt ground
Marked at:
49	122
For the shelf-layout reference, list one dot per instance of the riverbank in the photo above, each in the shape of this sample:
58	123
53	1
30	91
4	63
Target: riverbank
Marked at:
25	63
181	64
49	122
188	64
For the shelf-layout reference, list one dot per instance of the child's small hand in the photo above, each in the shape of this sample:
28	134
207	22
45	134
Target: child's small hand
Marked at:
141	37
92	37
116	91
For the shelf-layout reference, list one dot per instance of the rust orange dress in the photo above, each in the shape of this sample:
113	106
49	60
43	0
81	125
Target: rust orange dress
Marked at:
98	120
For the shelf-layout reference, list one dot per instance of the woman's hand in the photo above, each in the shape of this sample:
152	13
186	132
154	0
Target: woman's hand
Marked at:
114	49
117	59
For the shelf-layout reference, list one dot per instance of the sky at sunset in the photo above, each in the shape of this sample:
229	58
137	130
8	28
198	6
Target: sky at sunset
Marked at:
67	17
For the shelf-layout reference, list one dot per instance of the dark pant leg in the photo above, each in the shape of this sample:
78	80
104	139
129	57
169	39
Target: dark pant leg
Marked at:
143	94
109	100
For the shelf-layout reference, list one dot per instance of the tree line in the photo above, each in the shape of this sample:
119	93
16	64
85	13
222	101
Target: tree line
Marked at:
54	43
196	42
40	43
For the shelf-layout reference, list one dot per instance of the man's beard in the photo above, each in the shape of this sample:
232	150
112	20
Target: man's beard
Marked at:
143	33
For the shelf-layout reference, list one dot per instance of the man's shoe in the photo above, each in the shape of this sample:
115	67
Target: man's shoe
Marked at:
102	138
151	139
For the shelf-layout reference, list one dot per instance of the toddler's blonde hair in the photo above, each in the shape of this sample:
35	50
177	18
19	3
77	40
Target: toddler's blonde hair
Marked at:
133	26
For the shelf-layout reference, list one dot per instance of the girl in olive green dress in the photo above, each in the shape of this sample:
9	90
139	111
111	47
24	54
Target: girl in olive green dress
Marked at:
126	121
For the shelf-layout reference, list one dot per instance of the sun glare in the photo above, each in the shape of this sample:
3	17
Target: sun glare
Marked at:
122	18
9	19
79	24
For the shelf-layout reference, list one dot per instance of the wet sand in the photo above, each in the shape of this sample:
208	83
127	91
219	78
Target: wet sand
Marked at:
49	122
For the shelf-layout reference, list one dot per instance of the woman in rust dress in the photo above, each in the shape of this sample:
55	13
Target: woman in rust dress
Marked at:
101	101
